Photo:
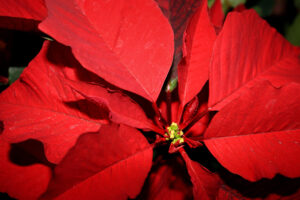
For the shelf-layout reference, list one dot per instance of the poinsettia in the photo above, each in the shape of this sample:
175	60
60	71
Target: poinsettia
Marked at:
100	109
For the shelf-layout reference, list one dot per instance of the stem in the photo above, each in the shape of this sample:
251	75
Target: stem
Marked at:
169	107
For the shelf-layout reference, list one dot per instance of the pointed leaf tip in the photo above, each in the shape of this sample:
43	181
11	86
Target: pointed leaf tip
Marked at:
128	46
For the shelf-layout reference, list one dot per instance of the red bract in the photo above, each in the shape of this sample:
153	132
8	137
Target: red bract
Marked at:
22	15
100	109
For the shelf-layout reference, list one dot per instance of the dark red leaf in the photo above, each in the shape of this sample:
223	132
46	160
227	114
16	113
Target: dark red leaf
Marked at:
27	9
198	45
226	193
178	12
111	164
21	182
168	180
3	80
294	196
240	8
247	50
217	14
128	46
122	109
22	15
163	106
41	106
205	184
257	135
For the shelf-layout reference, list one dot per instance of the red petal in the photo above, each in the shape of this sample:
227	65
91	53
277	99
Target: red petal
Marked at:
284	72
226	193
168	180
122	109
3	80
112	164
193	70
205	183
163	107
22	15
199	127
127	43
40	106
27	9
178	12
257	135
21	182
246	50
240	8
216	14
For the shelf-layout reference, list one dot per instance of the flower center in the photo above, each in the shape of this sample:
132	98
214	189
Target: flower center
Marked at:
174	134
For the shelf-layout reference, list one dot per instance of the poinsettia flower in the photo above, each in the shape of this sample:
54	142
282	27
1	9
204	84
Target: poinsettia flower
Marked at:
100	111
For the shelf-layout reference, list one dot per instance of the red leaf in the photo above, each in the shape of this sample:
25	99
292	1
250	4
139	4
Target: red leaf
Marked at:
40	106
178	12
27	9
293	196
128	46
246	50
168	180
205	183
3	80
193	70
122	109
257	135
22	15
163	107
216	14
226	193
30	181
240	8
112	164
284	72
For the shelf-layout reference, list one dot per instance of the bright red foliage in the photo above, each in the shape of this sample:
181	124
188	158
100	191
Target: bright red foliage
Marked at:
101	113
22	15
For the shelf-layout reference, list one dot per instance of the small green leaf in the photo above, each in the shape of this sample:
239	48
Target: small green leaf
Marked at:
233	3
293	32
14	73
172	85
210	3
227	4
